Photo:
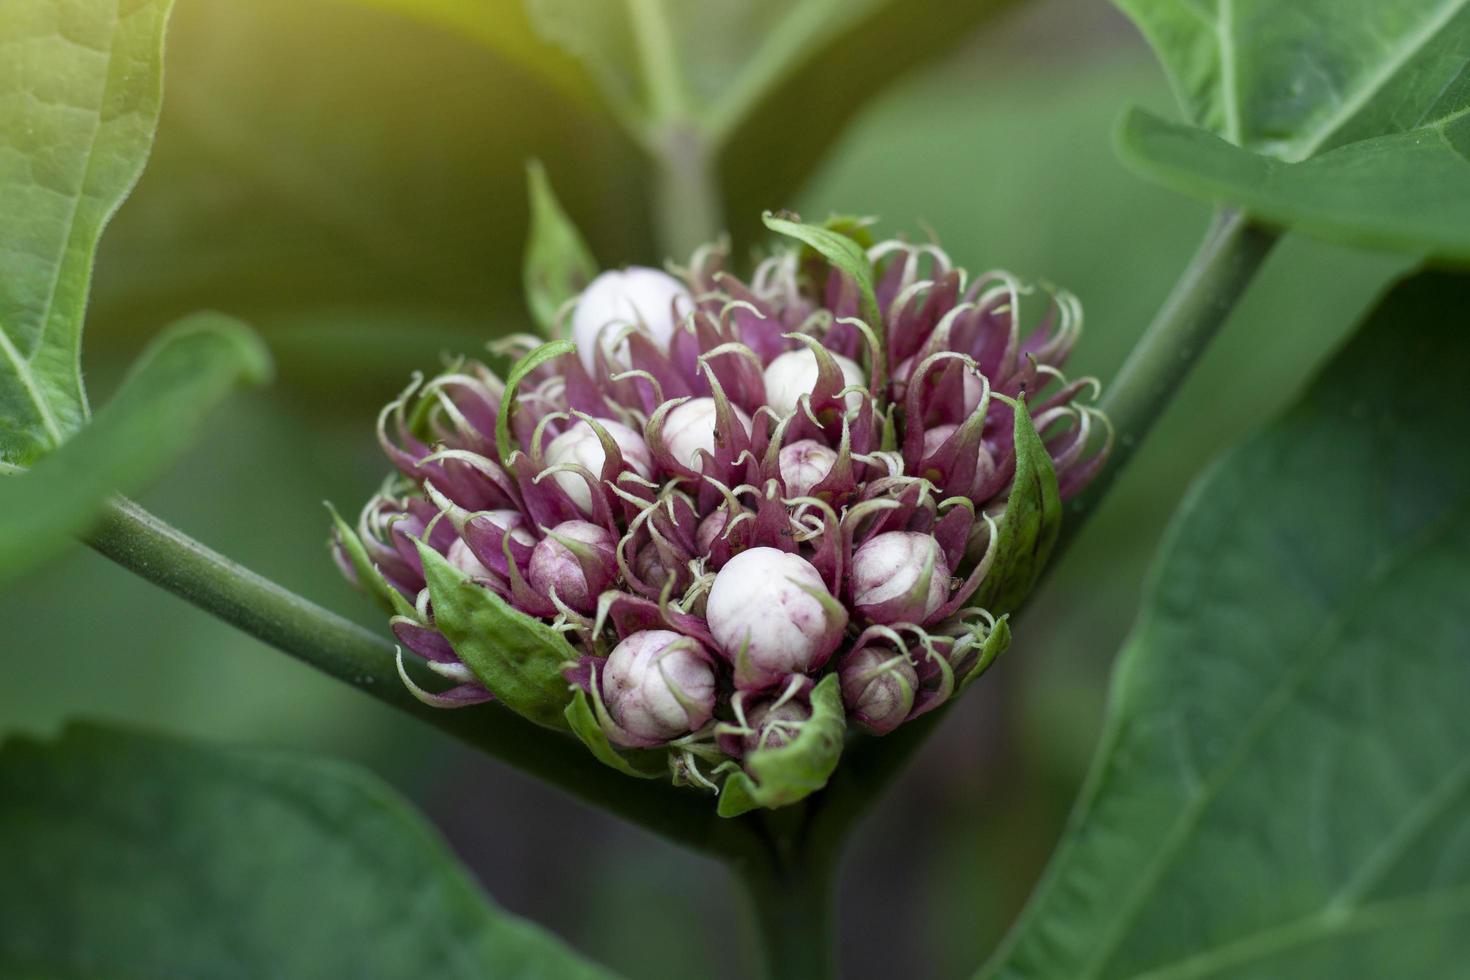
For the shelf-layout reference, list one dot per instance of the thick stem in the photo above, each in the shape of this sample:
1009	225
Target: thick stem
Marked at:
1225	264
687	207
791	900
163	555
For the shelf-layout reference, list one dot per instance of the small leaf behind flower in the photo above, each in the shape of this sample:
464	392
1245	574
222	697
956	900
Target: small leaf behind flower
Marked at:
784	775
838	247
153	417
518	658
504	442
558	263
1029	528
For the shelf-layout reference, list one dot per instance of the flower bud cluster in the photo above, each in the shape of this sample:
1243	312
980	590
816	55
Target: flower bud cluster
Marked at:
717	508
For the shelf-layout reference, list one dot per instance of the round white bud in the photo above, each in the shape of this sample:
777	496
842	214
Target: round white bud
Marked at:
794	373
888	578
649	299
580	445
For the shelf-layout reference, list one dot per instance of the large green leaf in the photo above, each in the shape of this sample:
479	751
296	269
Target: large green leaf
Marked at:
1283	789
153	417
130	855
1354	113
80	84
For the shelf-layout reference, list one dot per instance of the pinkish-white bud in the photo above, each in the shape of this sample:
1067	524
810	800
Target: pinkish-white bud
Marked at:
794	373
577	567
878	687
580	445
658	685
691	427
461	557
899	577
772	615
804	464
774	723
650	300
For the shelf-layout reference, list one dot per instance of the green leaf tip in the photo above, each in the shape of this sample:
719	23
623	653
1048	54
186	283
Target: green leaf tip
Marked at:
558	264
644	764
546	352
184	372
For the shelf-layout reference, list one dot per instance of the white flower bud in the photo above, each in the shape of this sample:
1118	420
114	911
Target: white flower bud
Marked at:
690	427
878	687
765	613
576	583
804	464
658	685
650	299
888	578
774	725
794	374
581	446
461	557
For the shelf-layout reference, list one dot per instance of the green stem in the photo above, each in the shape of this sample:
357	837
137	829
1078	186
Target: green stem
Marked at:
790	894
687	207
1228	259
163	555
1225	264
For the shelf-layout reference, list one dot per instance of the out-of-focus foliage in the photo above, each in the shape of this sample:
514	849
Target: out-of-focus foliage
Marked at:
133	855
290	176
151	419
1282	786
1346	118
79	93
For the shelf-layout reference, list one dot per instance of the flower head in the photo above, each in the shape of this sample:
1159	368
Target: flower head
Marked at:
734	487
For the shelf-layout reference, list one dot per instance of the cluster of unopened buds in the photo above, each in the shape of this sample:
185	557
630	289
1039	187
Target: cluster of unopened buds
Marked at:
746	508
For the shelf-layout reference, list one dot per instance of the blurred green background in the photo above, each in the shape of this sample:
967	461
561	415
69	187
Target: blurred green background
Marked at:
351	182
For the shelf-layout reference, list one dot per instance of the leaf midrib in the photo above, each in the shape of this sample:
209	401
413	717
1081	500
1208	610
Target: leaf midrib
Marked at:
1276	701
1354	103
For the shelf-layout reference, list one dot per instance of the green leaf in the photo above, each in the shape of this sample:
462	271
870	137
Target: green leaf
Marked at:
558	263
1030	525
1408	191
838	247
1282	789
520	659
133	855
546	352
80	86
802	766
583	722
1346	118
153	418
